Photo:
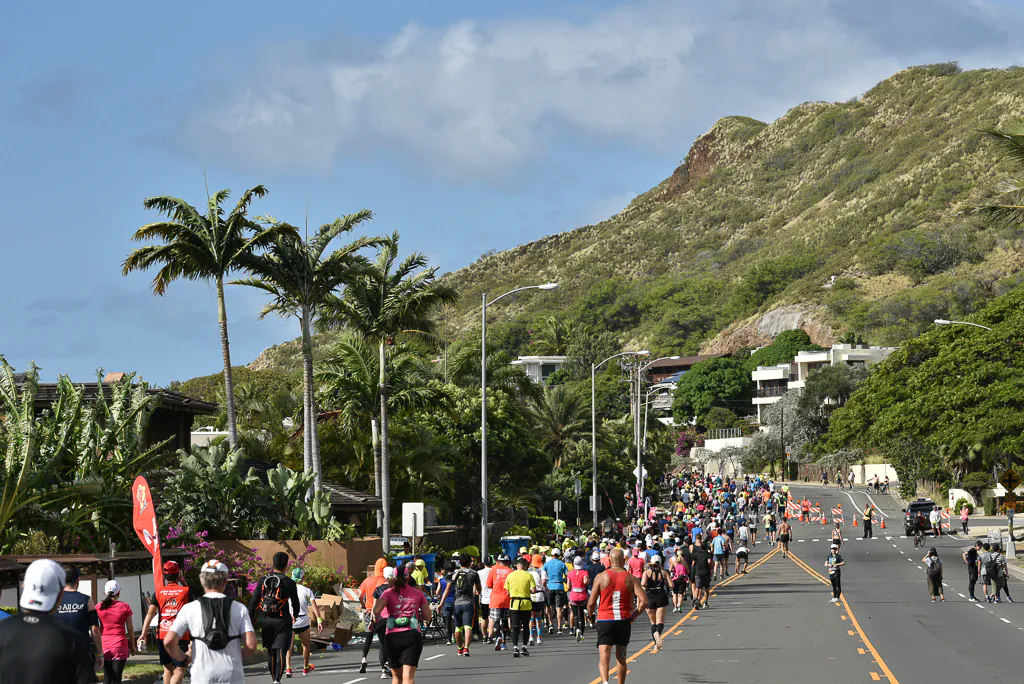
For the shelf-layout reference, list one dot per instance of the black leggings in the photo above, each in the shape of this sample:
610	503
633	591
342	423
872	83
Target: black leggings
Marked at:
113	670
972	581
837	587
520	625
579	613
275	663
378	628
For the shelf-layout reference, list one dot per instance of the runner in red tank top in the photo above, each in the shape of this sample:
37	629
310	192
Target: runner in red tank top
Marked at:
166	603
618	599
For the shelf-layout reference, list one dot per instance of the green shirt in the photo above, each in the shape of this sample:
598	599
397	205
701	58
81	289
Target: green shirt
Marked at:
559	527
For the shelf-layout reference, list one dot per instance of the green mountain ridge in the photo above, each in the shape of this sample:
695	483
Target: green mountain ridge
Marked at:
743	239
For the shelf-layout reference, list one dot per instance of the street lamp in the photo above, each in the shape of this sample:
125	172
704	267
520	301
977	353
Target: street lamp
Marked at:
483	404
943	321
593	422
636	423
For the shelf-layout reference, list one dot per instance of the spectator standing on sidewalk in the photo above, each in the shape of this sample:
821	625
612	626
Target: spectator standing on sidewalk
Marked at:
964	515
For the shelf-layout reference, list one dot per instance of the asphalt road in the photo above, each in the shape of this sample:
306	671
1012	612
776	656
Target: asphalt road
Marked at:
776	624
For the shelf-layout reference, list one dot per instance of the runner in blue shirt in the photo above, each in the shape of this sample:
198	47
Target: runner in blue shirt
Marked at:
557	599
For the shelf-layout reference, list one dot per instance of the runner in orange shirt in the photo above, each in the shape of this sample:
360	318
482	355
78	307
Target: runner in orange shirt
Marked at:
500	600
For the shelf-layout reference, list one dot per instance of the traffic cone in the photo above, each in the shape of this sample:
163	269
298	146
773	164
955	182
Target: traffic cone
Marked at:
882	526
855	521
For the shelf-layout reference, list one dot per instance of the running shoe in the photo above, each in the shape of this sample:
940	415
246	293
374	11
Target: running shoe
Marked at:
460	652
526	654
288	673
1009	599
385	673
538	639
551	630
503	646
579	636
497	644
307	670
515	651
531	641
362	667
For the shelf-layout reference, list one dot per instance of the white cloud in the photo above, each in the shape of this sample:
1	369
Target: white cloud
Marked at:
477	100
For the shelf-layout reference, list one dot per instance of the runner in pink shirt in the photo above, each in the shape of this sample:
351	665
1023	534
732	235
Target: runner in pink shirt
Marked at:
118	633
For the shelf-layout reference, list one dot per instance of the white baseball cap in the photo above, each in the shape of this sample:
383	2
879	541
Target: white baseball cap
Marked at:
44	580
214	567
655	560
112	588
389	572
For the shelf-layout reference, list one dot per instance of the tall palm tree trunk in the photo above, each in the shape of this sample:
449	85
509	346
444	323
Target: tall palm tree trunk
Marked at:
229	385
385	472
375	440
311	436
307	395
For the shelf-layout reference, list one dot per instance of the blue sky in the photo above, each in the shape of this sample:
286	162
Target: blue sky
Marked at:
467	126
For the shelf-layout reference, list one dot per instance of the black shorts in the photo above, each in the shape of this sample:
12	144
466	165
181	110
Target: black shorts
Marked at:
300	630
614	632
701	581
679	587
463	614
657	599
784	538
557	599
404	648
276	633
165	657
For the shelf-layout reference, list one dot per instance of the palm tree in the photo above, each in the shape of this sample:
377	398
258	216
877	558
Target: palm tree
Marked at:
206	247
391	298
560	416
349	389
1008	209
297	276
555	334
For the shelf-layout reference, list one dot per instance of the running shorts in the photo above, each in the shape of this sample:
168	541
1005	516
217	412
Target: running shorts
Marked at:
276	633
485	611
300	630
719	557
165	657
742	555
463	614
539	605
613	632
404	648
701	581
657	599
784	538
557	598
679	587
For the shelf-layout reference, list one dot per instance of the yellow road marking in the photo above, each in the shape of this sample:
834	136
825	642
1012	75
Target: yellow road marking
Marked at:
874	676
861	651
850	632
842	617
853	619
692	613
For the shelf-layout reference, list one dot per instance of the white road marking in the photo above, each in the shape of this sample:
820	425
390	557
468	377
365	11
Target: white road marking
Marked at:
353	681
801	541
960	595
944	584
980	606
1005	620
815	540
919	567
877	507
433	657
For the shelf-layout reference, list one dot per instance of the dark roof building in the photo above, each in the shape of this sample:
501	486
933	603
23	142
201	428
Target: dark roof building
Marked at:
663	369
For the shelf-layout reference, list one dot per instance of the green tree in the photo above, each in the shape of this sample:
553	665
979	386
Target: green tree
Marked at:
299	279
715	382
1008	206
198	246
555	335
560	416
786	345
720	418
391	298
827	389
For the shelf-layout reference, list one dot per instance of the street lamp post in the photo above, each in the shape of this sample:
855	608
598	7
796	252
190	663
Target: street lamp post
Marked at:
636	432
593	424
943	321
483	404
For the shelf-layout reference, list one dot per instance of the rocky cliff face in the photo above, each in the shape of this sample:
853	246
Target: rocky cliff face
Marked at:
761	330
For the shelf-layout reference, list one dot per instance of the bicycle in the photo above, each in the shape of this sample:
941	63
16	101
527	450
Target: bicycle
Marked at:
918	538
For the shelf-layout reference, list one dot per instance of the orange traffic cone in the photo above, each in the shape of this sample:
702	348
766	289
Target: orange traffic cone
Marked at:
882	526
855	521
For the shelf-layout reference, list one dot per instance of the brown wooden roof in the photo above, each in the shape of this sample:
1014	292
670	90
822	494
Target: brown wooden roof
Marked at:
169	401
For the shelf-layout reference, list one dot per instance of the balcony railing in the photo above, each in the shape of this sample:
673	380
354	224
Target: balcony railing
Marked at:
770	391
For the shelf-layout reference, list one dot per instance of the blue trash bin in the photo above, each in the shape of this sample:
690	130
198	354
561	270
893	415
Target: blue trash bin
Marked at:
511	545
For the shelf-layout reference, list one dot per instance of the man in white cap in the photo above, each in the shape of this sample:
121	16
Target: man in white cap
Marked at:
35	647
218	652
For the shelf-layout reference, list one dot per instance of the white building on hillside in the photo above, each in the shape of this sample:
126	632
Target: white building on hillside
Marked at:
540	368
774	381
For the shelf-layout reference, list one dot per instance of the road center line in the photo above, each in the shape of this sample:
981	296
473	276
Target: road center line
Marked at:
433	657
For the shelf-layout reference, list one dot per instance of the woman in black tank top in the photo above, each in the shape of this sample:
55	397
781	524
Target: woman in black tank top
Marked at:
656	584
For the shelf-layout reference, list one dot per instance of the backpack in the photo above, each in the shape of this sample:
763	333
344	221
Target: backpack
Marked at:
935	569
216	622
272	600
991	566
461	582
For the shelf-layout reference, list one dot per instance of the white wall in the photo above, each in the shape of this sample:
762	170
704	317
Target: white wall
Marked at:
863	473
132	588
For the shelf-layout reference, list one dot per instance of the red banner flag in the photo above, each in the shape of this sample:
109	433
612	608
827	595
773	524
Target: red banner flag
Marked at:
144	522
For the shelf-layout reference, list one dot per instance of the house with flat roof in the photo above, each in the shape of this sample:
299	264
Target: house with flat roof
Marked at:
540	368
774	381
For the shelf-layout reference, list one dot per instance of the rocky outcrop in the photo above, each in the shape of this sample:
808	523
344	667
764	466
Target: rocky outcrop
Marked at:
760	331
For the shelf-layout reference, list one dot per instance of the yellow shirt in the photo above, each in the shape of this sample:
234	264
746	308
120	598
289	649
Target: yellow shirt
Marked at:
519	584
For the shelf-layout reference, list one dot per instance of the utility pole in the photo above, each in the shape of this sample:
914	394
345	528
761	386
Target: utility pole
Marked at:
782	438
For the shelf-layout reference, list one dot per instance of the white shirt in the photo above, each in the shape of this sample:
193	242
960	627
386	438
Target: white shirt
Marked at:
208	666
744	532
934	517
306	598
485	591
